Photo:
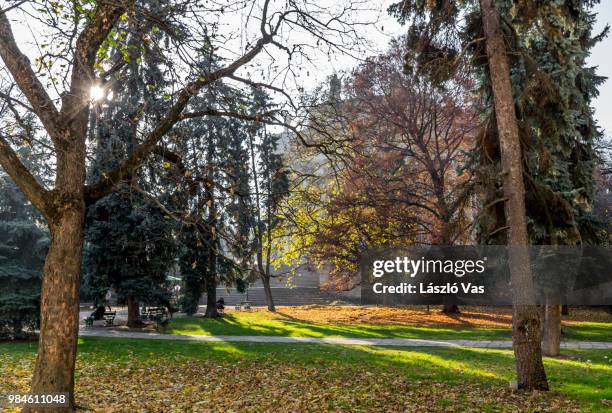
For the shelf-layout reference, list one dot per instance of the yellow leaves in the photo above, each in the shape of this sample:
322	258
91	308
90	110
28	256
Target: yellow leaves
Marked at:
258	382
469	316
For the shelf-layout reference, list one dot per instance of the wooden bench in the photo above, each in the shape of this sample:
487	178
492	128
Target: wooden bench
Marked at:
109	318
158	314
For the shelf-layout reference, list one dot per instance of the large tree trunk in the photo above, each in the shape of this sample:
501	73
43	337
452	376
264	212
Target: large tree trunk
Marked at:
59	322
133	320
525	320
551	344
211	298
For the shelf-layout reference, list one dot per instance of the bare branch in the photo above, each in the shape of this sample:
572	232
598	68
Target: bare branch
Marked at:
87	46
173	115
19	66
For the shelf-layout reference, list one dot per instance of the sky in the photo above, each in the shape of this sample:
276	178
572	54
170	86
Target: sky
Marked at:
377	35
601	57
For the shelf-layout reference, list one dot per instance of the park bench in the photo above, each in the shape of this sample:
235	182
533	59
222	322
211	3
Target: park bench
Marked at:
245	305
109	318
158	314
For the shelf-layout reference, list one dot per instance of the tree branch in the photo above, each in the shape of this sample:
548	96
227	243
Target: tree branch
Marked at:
28	184
172	116
19	67
87	46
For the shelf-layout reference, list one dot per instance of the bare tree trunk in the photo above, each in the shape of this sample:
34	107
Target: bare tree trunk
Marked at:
133	320
268	290
551	343
450	300
525	319
59	322
264	274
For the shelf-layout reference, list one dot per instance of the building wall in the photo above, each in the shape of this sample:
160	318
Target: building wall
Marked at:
299	287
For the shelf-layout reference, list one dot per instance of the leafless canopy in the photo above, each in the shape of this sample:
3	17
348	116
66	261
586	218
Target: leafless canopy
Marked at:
259	43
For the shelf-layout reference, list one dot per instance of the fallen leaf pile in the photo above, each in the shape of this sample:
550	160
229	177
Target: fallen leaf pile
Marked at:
421	316
270	386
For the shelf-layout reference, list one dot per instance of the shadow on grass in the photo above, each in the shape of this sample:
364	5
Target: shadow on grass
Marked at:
588	331
584	375
284	325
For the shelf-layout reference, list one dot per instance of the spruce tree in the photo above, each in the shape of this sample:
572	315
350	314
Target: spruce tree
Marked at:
270	184
211	233
130	242
547	44
553	90
23	245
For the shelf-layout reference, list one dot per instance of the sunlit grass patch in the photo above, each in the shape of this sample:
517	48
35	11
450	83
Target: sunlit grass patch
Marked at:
375	322
161	375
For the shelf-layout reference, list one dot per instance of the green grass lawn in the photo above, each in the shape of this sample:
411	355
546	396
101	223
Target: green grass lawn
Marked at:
262	323
176	376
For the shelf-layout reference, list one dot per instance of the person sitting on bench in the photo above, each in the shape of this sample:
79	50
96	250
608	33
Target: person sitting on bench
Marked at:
220	305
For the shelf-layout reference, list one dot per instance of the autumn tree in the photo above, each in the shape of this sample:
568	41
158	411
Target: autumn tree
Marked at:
58	91
398	179
424	131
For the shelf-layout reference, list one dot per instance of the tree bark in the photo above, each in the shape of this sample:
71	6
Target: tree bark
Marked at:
525	320
551	344
264	274
133	320
59	321
268	291
444	239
